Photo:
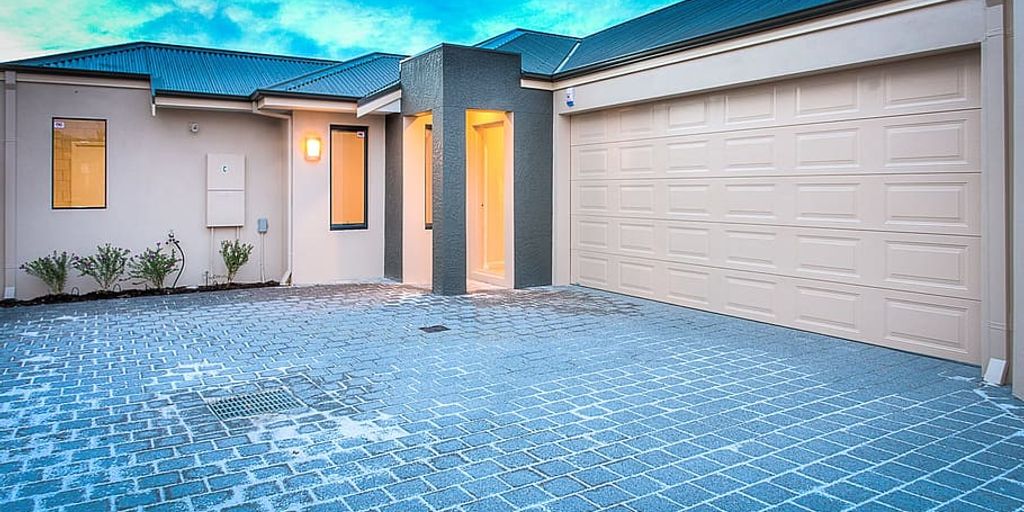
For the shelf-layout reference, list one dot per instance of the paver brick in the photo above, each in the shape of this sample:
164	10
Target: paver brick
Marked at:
560	399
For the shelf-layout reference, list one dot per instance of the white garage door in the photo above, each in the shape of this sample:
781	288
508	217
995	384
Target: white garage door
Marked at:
844	203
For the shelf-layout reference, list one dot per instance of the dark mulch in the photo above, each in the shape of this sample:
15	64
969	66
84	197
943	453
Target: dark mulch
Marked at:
98	295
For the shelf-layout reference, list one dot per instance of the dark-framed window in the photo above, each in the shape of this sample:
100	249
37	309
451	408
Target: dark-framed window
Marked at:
348	168
78	163
428	176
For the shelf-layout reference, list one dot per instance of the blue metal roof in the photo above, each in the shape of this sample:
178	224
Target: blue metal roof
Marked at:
681	22
352	79
197	71
204	71
183	69
541	52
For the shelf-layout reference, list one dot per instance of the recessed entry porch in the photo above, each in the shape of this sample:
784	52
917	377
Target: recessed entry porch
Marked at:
487	199
475	174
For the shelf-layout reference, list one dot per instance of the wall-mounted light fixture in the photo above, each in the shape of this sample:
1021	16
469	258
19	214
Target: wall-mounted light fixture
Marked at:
312	149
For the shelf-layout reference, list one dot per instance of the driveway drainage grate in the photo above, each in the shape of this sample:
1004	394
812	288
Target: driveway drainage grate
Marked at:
253	404
434	328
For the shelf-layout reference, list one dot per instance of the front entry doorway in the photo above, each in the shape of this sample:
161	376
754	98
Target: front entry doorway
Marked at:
488	199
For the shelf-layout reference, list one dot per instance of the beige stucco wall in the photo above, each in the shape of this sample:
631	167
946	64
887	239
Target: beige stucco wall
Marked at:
417	246
322	255
156	180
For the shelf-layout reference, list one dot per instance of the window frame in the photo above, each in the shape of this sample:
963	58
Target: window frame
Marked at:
428	156
53	163
366	177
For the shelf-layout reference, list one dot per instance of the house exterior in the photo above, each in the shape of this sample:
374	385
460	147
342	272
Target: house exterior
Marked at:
838	166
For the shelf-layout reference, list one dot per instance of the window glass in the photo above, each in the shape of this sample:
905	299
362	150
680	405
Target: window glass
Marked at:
79	163
348	178
428	183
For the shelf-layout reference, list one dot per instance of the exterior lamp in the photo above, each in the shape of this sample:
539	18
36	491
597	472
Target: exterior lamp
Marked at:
313	148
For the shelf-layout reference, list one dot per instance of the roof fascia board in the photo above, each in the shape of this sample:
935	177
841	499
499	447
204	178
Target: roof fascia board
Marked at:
382	104
95	81
309	104
42	70
220	105
531	83
816	24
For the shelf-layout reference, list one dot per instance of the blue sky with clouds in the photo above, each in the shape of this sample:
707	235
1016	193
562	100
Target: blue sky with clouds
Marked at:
319	28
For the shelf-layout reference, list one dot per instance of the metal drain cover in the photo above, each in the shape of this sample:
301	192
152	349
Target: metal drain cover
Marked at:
434	328
254	404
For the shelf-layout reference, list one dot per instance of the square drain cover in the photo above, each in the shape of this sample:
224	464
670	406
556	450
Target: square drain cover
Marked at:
253	404
434	328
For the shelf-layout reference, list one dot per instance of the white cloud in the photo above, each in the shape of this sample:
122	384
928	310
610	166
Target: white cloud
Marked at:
204	7
45	26
347	24
13	46
340	28
569	18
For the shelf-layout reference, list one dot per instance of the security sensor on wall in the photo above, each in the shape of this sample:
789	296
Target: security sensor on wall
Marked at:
193	127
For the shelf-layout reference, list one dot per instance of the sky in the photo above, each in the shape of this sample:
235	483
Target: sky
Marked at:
337	29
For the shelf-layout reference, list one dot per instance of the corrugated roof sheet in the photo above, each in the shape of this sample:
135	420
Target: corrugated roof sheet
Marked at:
184	69
131	58
541	52
677	23
353	79
205	71
188	70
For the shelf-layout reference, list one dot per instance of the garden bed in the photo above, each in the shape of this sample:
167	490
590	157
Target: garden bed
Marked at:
99	295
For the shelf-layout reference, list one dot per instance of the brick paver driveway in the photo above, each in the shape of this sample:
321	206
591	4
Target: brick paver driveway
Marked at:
547	399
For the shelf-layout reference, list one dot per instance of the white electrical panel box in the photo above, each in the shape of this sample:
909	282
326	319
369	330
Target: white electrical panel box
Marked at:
225	190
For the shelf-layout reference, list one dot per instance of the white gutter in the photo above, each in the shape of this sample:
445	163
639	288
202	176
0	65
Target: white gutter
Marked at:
290	166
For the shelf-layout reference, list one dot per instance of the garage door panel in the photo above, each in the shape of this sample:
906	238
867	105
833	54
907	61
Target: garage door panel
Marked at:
749	104
822	307
932	143
932	327
942	204
835	149
844	203
940	83
938	326
914	262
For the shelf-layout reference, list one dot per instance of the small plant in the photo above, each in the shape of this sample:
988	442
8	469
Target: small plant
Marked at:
51	270
152	266
106	266
236	255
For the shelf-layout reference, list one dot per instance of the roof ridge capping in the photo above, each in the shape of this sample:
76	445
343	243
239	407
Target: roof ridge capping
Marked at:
77	54
239	53
54	58
511	35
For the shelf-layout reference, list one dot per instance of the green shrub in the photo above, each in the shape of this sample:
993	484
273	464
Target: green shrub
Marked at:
106	266
236	254
152	266
52	270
